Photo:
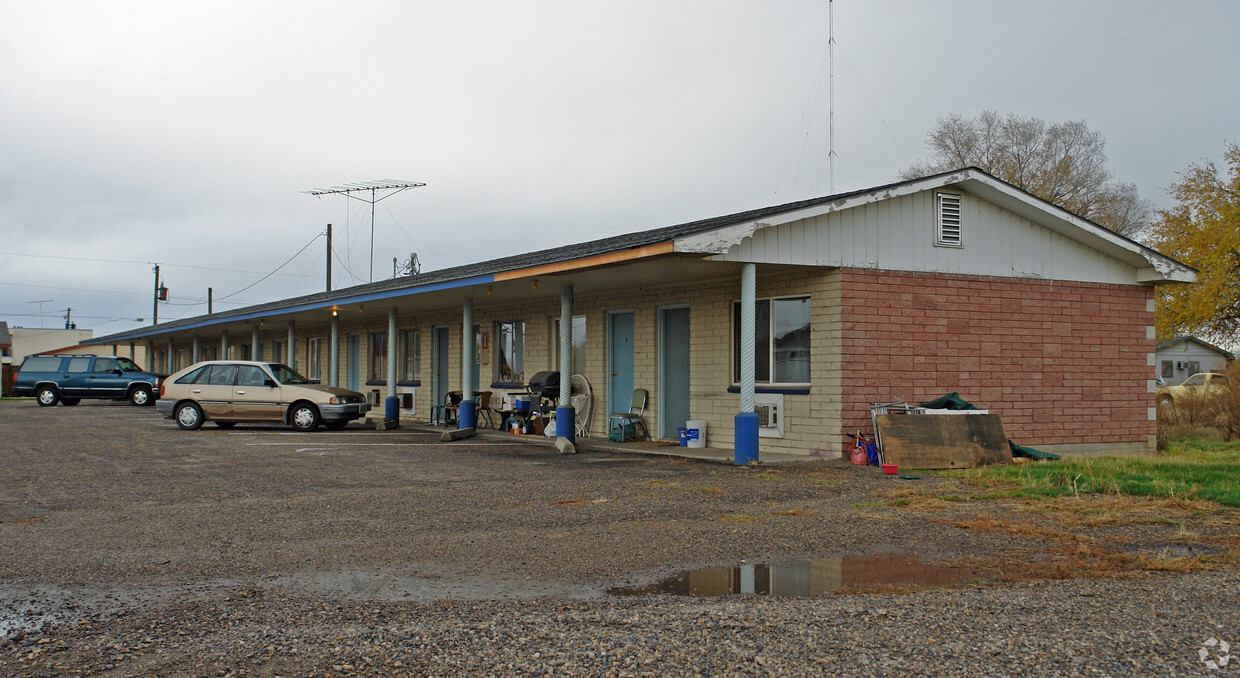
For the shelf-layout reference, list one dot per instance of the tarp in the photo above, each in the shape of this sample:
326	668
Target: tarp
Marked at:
951	401
1019	451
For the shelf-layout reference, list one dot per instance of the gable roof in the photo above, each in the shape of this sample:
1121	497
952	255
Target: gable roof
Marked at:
1176	341
703	238
6	339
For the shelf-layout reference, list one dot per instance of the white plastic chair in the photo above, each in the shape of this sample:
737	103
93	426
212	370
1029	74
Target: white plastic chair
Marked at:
582	400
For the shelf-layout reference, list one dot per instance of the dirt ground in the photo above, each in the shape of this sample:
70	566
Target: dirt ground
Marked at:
126	544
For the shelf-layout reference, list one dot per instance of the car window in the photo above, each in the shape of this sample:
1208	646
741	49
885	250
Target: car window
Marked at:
222	375
250	375
78	365
43	364
194	376
1219	379
104	365
286	375
1195	380
128	365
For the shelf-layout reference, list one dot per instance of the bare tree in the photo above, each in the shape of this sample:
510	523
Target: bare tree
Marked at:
1064	163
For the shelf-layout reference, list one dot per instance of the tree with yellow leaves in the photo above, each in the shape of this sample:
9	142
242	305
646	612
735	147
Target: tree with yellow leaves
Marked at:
1203	231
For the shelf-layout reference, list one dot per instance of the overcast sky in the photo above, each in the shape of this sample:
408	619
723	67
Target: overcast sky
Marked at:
183	133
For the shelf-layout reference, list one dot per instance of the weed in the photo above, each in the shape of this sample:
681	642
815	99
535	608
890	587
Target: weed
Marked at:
709	490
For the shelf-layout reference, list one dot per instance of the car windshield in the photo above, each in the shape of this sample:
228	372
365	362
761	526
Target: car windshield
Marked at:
285	374
128	365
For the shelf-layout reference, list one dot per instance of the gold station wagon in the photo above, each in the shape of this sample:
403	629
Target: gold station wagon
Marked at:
231	391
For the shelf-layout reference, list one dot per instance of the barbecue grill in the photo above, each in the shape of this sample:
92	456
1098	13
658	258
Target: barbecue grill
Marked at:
545	387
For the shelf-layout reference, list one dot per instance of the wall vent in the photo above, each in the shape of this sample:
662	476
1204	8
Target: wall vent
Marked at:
949	220
770	410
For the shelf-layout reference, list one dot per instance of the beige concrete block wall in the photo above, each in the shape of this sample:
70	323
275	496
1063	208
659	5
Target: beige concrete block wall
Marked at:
812	422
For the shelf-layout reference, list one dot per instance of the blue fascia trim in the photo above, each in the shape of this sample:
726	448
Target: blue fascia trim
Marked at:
415	383
795	390
407	292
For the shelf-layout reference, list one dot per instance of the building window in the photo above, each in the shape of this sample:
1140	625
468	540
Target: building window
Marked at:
1168	369
411	356
314	357
1192	366
510	351
948	220
781	341
579	345
378	356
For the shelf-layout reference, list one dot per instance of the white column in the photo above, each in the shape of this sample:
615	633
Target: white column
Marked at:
566	344
749	276
391	366
334	361
168	362
292	338
467	350
254	343
197	347
223	345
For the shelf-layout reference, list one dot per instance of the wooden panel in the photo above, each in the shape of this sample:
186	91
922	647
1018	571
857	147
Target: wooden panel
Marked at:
943	440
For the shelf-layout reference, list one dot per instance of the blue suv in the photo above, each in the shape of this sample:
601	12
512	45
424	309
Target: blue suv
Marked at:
67	379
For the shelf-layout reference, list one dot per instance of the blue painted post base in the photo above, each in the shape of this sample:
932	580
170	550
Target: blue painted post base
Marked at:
391	408
746	438
566	423
469	415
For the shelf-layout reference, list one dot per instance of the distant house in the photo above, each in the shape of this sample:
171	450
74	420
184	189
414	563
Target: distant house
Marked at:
1179	358
6	343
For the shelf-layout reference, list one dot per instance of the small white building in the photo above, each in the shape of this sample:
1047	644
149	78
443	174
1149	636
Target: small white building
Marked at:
1179	358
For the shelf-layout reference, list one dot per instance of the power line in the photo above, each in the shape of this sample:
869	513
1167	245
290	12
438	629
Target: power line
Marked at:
303	249
128	261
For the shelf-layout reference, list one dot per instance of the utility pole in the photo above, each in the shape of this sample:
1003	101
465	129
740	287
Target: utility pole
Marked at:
155	300
69	318
329	257
210	295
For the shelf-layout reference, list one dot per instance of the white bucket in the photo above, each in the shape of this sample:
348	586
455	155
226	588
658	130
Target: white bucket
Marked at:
698	426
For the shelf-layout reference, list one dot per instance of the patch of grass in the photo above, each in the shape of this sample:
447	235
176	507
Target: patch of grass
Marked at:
738	517
709	490
769	475
1192	470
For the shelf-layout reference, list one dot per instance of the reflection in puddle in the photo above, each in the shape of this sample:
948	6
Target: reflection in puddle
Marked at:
809	577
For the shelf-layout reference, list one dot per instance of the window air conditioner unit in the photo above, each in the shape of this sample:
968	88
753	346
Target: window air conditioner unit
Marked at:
1179	364
376	397
770	410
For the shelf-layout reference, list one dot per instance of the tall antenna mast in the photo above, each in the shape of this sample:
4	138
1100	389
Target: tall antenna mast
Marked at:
390	185
831	84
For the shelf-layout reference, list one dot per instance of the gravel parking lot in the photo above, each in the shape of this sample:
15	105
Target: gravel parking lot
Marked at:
130	547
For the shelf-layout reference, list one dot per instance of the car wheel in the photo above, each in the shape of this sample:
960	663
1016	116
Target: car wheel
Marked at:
70	401
48	396
336	424
189	416
304	417
226	424
1165	401
140	396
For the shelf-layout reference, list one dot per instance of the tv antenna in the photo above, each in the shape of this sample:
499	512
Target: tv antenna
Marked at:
40	302
388	187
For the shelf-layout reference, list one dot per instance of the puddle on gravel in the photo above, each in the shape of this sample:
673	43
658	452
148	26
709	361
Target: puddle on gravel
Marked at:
808	577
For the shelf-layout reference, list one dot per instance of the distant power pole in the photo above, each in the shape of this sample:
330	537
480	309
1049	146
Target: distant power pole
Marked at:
69	318
155	301
210	299
329	257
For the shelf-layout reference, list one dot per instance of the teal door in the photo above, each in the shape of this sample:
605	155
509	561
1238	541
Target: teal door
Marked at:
354	367
673	370
439	383
620	361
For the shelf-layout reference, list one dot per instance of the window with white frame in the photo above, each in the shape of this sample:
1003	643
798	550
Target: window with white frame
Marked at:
378	356
578	357
411	354
314	357
948	220
781	341
510	351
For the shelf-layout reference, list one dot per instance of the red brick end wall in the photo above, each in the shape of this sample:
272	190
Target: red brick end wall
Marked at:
1060	362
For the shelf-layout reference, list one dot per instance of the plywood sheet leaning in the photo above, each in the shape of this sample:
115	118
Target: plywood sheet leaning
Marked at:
929	441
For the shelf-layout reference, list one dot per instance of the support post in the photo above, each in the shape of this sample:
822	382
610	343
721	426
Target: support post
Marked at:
197	348
747	419
565	414
290	358
223	345
467	413
391	406
254	343
334	361
150	355
168	362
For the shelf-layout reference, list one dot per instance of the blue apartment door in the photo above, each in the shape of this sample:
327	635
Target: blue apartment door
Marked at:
440	383
355	341
620	361
673	370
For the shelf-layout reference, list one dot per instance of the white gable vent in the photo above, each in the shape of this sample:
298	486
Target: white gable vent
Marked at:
948	217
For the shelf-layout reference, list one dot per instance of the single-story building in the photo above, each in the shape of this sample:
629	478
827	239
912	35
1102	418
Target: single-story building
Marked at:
1179	358
951	282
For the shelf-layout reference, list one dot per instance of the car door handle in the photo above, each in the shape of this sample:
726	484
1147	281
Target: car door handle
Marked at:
197	390
240	392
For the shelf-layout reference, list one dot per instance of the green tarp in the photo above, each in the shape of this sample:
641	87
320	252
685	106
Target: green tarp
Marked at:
951	401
